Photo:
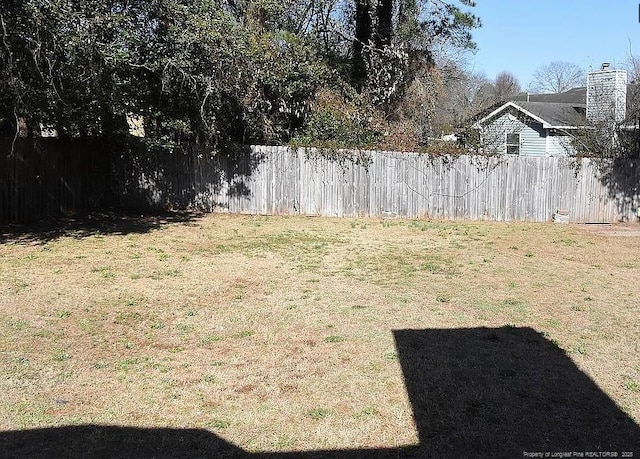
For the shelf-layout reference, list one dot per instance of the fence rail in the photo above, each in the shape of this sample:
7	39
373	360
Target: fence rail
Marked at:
48	178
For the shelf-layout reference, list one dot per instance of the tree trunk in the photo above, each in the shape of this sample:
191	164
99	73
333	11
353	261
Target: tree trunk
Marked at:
384	12
362	38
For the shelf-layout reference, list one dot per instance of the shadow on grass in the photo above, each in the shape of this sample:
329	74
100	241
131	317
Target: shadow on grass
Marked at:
93	441
500	392
92	224
475	393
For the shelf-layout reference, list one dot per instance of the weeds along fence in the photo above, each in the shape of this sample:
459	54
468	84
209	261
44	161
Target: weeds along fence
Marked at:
50	177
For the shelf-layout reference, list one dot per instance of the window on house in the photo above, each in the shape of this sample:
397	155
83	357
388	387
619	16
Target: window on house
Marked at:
513	144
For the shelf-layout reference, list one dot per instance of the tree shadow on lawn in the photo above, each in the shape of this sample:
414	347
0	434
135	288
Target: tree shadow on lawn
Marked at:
112	222
475	393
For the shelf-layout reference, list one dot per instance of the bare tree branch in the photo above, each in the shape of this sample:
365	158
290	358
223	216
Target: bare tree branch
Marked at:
557	77
633	66
505	86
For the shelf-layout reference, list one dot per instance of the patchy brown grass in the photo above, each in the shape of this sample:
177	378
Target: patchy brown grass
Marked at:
276	333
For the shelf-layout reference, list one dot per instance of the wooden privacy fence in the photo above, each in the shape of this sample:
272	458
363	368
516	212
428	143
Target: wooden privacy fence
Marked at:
50	177
282	180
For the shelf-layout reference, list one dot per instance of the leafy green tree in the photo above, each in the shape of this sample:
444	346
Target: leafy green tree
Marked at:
196	71
212	72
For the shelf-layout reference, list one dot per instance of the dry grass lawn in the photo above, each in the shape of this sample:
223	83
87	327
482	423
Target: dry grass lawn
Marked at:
277	333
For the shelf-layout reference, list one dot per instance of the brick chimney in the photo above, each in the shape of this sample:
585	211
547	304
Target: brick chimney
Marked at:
607	95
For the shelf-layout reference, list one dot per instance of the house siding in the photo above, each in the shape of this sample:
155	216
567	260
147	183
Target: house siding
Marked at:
559	145
532	136
533	140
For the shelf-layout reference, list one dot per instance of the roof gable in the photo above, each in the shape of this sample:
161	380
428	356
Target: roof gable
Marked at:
550	115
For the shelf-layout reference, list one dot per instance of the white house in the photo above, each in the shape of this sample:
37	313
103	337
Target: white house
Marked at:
542	124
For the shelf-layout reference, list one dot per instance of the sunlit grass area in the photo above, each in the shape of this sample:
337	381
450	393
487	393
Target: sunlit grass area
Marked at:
277	333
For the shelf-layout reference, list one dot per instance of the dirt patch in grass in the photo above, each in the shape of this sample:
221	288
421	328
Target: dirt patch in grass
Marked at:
282	334
620	229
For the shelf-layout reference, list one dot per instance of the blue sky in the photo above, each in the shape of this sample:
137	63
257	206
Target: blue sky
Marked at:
521	35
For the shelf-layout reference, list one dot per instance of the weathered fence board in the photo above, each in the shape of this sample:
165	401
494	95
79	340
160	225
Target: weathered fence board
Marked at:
280	180
48	177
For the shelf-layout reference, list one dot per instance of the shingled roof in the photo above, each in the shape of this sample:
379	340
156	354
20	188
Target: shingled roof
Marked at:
562	110
576	96
550	114
556	114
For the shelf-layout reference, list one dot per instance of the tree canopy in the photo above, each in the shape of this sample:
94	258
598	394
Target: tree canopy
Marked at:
214	72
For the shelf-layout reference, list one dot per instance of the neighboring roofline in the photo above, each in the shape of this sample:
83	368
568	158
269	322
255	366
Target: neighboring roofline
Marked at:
575	96
504	106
